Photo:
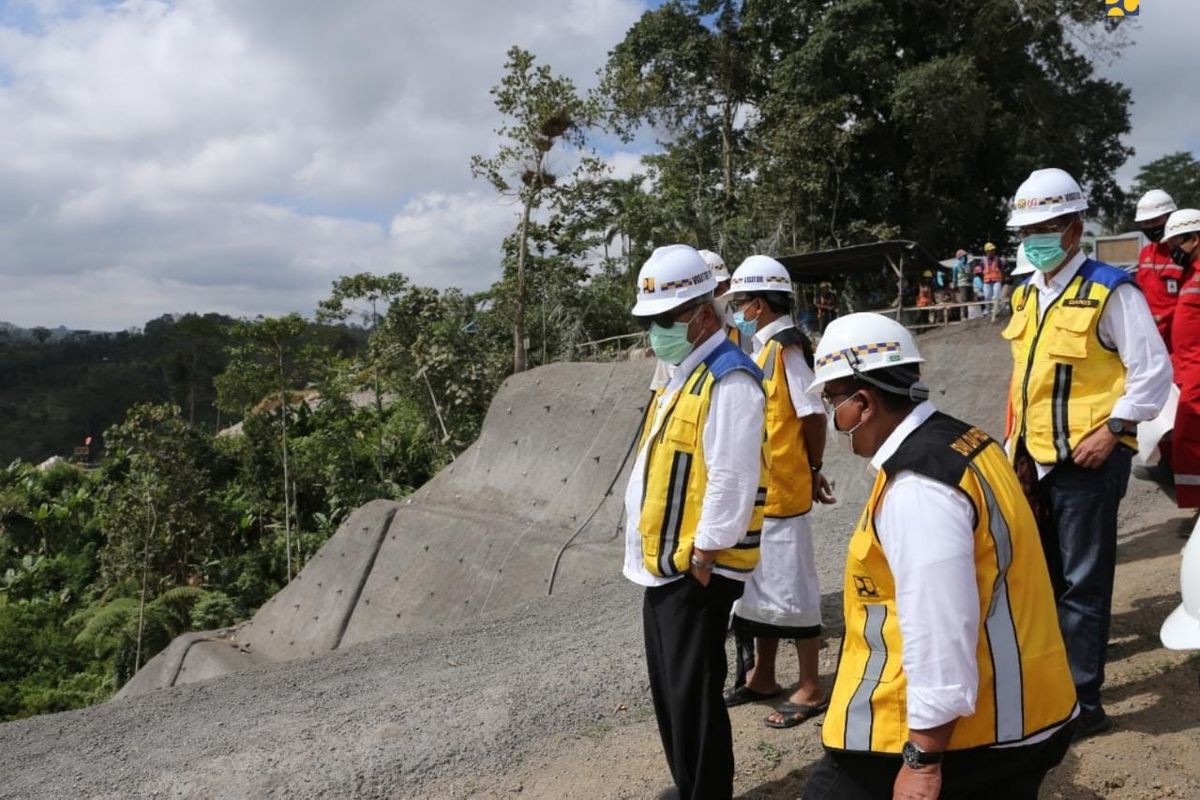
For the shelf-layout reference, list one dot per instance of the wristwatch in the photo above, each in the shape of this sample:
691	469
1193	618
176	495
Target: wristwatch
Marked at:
700	563
915	757
1121	427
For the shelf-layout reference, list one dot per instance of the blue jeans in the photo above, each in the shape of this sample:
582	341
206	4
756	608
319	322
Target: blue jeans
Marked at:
1078	525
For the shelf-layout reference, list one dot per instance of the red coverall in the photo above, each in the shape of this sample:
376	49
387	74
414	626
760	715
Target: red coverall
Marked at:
1185	439
1160	280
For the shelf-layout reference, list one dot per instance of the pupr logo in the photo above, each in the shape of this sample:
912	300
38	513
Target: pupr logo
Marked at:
1122	8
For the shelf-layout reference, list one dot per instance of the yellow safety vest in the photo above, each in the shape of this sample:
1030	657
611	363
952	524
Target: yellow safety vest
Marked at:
676	476
1025	683
1065	381
789	483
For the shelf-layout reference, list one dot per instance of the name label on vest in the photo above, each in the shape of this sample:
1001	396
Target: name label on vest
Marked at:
970	442
865	586
1081	302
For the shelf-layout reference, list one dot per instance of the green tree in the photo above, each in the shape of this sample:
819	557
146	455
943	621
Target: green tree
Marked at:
1178	174
265	363
541	110
362	295
687	67
863	119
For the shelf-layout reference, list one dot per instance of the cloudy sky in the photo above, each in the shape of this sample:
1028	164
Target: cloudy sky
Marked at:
238	155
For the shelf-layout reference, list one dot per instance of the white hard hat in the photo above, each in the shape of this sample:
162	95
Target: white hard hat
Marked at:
1185	220
716	263
1181	631
761	274
1024	265
859	343
1045	194
1154	203
670	277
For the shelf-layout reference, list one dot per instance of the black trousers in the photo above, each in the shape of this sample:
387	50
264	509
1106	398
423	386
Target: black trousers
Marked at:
685	626
1011	773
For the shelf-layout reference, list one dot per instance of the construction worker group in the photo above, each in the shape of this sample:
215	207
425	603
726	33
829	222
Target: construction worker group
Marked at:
978	580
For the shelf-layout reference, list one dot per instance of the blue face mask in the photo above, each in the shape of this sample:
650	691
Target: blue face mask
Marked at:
746	328
1044	251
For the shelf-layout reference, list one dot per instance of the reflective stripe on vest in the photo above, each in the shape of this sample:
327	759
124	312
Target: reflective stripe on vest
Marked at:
675	480
789	482
1025	684
1054	404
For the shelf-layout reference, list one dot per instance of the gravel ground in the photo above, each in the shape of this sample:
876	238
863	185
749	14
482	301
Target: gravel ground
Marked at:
377	720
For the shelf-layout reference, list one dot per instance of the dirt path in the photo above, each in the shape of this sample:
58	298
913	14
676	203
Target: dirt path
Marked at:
1152	694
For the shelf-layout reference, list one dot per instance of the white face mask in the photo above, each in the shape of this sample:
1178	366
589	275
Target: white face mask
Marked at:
833	422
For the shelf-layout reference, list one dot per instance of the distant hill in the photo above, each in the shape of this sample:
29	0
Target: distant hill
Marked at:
15	333
59	386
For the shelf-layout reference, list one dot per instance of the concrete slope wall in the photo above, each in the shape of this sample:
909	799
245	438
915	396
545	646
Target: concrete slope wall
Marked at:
481	537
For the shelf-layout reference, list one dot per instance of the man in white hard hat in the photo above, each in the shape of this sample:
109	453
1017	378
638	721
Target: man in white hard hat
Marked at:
953	679
783	596
662	370
1182	240
1088	366
694	513
1159	278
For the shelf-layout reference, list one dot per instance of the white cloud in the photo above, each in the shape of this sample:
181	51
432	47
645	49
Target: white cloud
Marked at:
238	155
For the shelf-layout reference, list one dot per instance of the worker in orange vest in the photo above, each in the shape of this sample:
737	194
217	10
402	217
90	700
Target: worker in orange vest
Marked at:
1159	278
993	275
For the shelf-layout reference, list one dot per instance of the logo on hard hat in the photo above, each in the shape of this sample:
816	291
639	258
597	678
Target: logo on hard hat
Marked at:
647	285
1121	8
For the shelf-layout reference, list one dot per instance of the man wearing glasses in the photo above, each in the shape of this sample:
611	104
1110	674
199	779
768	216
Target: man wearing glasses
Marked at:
952	681
1088	365
694	511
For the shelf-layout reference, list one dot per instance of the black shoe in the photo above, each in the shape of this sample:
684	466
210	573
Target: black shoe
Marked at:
668	794
1091	723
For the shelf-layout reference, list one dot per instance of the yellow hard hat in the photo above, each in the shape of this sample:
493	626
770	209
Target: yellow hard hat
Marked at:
989	247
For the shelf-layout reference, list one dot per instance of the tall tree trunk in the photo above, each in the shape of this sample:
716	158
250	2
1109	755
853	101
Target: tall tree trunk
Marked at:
287	519
727	112
378	394
519	363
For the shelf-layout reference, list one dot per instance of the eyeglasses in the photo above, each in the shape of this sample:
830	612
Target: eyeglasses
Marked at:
1049	226
831	407
739	303
669	318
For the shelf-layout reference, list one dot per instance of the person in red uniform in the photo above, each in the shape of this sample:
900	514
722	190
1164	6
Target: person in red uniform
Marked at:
1159	278
1182	240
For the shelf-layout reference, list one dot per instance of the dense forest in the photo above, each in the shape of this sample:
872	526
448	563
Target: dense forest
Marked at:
781	126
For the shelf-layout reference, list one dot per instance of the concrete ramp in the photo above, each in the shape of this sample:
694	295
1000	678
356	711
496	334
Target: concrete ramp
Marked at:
483	536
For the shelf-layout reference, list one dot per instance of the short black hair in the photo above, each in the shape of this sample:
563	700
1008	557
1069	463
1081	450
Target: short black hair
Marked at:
778	302
902	377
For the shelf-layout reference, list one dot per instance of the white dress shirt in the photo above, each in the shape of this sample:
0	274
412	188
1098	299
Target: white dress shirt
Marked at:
800	376
1127	326
937	600
732	444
